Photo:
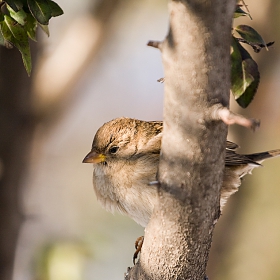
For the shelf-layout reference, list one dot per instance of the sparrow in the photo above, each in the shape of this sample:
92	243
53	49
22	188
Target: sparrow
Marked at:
125	156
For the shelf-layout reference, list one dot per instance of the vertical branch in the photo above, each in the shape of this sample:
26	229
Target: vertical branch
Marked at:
197	76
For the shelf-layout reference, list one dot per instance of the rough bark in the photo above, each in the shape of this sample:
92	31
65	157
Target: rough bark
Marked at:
196	62
16	126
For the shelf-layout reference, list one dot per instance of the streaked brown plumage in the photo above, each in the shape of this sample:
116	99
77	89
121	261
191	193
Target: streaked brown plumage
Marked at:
125	156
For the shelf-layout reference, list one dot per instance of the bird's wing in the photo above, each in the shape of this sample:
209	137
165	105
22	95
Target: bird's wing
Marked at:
235	159
232	146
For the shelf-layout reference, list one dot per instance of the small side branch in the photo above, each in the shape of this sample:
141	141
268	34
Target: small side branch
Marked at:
161	80
256	47
219	112
155	44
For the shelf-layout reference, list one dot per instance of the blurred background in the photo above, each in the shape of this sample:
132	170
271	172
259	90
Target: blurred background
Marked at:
95	67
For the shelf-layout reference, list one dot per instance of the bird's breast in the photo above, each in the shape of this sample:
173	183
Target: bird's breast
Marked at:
126	190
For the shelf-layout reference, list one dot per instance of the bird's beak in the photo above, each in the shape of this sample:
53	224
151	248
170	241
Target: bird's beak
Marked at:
94	157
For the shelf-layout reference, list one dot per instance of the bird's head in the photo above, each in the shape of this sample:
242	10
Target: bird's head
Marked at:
114	140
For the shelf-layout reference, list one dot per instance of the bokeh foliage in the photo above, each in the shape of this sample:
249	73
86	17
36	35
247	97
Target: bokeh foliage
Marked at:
19	20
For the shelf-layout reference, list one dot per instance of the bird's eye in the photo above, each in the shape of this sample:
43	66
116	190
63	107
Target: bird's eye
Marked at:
113	149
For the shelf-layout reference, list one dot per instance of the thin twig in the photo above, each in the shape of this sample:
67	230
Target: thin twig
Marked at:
256	47
246	7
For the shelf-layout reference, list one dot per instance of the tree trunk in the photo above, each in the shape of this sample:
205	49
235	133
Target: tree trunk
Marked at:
197	78
16	126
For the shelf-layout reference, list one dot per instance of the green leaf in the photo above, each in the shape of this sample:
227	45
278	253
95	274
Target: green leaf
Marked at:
45	28
19	16
15	28
245	76
20	21
40	10
5	33
31	27
23	47
239	13
249	68
16	5
249	34
2	40
20	41
55	9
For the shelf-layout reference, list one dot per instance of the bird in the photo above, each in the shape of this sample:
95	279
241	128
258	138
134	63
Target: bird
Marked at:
125	156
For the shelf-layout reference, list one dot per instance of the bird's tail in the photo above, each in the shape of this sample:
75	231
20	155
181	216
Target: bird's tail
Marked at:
260	157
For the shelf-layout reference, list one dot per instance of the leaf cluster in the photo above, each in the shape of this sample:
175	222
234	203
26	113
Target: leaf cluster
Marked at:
19	20
245	76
